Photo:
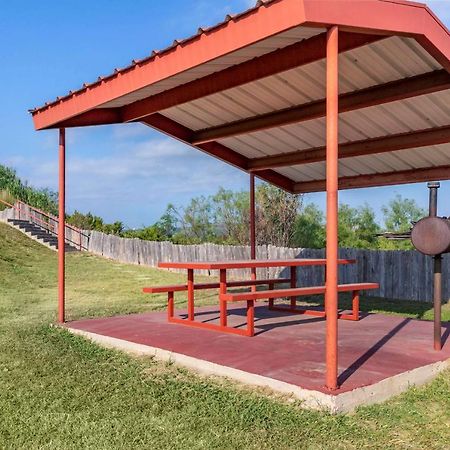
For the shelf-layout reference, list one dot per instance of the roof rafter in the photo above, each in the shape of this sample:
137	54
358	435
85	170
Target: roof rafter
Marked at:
403	141
379	179
389	92
295	55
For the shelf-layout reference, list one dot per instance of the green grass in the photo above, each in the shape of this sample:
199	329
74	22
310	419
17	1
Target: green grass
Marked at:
60	391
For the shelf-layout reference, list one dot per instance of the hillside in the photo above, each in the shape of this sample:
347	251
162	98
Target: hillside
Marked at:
60	391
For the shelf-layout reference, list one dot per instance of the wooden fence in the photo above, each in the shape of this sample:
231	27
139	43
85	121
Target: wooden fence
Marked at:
401	274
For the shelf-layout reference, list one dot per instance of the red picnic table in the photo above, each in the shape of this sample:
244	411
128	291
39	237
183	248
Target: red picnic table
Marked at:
250	297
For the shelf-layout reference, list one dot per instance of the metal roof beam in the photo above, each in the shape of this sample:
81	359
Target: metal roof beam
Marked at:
385	144
219	151
295	55
99	116
379	179
389	92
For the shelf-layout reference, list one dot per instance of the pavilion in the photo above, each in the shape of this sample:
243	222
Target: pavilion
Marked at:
307	95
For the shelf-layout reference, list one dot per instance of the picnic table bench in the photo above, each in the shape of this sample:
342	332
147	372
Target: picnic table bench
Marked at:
250	297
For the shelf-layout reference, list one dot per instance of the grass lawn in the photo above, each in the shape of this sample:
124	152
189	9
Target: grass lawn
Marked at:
58	391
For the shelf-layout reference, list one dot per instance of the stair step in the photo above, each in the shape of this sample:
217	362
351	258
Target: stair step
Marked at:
40	234
27	226
29	229
17	221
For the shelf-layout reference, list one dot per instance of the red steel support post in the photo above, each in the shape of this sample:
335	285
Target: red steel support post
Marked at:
252	218
331	295
223	304
252	226
61	226
293	285
190	286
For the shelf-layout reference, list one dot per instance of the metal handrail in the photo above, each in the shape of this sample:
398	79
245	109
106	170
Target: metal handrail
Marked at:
51	216
44	224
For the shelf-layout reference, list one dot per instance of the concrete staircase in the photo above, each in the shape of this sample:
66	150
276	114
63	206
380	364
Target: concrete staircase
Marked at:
39	234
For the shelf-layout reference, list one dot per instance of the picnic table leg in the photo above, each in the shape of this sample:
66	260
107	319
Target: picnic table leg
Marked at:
271	299
293	285
170	305
253	277
355	305
223	304
250	317
190	285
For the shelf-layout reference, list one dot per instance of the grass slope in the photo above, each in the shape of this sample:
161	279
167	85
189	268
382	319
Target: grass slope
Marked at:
60	391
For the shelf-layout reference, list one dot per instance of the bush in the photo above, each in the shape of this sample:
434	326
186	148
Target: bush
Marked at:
15	189
5	196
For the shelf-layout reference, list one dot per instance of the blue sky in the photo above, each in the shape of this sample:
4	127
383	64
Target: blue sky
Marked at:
130	172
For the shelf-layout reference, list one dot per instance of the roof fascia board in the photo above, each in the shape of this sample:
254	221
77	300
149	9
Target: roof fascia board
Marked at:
369	16
261	23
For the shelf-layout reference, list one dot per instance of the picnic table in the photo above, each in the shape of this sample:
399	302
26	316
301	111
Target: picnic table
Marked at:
250	297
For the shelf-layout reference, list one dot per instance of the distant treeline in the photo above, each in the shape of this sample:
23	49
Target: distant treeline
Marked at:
282	219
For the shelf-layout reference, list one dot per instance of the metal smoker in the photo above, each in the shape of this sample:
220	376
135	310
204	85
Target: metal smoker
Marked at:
431	236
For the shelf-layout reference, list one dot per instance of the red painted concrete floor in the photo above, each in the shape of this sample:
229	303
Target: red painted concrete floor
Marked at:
288	347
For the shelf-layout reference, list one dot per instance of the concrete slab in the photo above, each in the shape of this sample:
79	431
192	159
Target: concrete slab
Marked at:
379	356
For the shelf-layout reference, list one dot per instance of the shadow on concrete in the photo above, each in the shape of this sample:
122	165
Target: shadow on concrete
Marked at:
272	326
446	334
347	373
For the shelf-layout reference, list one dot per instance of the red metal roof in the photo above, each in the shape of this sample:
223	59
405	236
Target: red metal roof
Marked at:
251	89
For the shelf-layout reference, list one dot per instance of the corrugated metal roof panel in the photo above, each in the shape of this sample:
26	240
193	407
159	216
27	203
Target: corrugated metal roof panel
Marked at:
418	113
383	61
258	49
431	156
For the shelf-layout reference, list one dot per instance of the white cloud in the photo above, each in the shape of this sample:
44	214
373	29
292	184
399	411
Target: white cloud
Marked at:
130	130
132	173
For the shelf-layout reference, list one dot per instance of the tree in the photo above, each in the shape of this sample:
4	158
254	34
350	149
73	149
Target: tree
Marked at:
224	218
276	213
401	213
399	216
232	216
168	223
151	233
357	227
309	228
196	221
91	222
85	221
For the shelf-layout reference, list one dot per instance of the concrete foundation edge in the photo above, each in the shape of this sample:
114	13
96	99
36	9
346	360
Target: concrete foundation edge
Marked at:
335	404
